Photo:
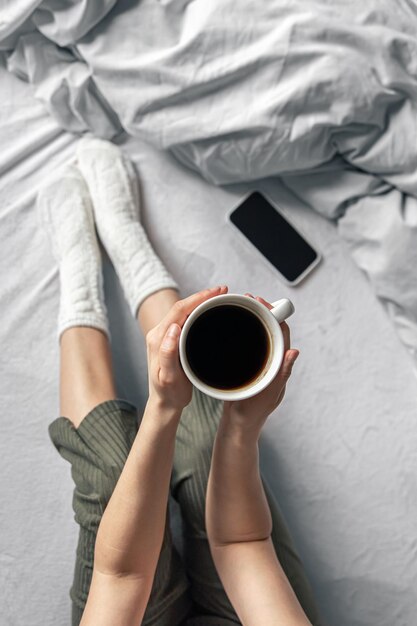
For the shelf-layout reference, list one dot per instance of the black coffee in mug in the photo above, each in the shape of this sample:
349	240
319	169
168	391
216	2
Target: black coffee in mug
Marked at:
227	346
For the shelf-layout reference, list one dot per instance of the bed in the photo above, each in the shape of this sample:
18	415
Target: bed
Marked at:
340	454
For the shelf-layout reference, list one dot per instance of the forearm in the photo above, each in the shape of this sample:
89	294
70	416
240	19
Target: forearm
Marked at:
236	505
131	531
239	526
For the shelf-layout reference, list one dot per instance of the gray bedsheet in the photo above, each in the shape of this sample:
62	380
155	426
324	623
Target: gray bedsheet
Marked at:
339	454
321	93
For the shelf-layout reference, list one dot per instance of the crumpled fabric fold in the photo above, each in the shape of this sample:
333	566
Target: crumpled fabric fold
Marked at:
64	84
322	94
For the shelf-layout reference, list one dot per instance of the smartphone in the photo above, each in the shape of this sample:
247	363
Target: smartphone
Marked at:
280	243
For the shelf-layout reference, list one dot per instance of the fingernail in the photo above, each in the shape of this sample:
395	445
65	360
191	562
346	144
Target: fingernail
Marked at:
173	330
223	287
214	288
295	357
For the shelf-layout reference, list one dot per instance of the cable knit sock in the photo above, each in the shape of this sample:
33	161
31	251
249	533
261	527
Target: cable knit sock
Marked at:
66	213
112	182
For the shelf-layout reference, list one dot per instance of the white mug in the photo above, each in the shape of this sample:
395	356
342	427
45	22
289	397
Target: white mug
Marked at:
270	318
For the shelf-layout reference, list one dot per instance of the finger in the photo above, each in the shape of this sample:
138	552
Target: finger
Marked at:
265	302
284	326
286	334
168	354
285	370
281	395
182	308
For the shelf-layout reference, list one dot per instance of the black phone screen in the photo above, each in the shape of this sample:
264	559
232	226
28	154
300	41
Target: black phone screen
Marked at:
274	237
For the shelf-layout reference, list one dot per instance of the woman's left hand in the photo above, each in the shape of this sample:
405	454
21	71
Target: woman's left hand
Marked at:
251	413
169	387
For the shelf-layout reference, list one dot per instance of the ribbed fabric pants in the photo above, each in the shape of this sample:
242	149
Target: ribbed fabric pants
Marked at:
186	591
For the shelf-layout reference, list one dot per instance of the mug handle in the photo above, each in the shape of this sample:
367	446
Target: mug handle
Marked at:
282	309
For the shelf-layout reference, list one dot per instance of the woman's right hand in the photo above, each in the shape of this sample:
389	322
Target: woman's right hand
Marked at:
169	387
251	414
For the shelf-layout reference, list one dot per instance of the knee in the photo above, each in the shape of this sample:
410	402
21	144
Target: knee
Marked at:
92	493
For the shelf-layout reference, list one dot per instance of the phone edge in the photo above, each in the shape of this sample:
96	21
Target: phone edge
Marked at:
277	207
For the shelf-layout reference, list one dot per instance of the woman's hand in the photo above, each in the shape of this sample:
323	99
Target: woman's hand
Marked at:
169	387
251	413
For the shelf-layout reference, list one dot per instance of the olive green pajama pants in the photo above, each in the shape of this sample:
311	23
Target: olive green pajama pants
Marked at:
187	590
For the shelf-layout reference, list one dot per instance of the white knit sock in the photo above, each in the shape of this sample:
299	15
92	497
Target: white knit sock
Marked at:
66	213
113	187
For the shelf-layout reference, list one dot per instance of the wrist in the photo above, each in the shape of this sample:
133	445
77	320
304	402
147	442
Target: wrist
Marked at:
234	428
161	413
238	425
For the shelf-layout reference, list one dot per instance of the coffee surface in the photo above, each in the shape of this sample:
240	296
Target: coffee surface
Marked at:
227	346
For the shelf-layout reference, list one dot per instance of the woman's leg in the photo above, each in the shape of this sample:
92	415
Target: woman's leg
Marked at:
86	376
155	307
113	186
98	430
96	440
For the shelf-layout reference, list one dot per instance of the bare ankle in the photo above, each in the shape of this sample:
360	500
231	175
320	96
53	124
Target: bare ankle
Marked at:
154	308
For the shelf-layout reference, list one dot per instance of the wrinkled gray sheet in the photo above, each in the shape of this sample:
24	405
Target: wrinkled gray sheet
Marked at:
322	93
340	452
